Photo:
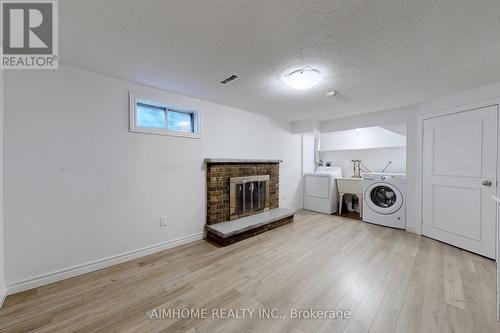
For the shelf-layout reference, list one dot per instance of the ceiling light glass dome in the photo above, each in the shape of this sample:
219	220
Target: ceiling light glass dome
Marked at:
303	78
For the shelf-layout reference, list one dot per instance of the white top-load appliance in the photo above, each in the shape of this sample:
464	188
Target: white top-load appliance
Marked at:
320	190
384	199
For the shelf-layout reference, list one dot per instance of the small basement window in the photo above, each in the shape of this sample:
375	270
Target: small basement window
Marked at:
152	117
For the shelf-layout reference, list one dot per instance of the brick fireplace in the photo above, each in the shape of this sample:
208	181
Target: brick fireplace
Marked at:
239	189
219	175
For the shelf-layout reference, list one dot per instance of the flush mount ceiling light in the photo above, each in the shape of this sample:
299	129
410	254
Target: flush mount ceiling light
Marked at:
303	78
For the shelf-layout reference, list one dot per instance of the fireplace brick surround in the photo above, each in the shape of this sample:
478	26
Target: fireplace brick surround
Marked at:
218	176
219	173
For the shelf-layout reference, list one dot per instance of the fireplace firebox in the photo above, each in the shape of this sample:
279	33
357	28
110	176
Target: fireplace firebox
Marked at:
248	195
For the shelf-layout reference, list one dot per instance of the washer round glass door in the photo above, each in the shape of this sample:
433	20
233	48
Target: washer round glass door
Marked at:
383	198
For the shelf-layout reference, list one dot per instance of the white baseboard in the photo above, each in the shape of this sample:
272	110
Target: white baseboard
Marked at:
3	294
96	265
411	229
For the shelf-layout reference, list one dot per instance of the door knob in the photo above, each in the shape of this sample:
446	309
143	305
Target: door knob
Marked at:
487	183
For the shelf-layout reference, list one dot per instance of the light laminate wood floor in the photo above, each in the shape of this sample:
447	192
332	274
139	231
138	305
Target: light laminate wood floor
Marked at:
390	280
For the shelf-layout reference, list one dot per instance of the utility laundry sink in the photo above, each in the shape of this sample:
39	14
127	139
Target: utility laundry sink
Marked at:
352	186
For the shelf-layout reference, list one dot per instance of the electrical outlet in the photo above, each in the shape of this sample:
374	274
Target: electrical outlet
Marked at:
163	221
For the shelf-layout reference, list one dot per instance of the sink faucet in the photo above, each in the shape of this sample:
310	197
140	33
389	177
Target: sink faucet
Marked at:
383	170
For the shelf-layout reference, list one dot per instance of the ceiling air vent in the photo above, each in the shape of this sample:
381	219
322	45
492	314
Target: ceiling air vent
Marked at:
229	79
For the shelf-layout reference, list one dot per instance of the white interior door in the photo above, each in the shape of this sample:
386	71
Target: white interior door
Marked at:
459	177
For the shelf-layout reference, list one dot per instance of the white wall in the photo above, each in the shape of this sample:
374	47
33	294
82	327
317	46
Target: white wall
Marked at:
308	152
381	118
306	126
80	188
2	242
361	138
472	96
374	159
374	146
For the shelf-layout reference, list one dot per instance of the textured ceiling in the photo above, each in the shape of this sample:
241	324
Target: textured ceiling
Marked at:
382	54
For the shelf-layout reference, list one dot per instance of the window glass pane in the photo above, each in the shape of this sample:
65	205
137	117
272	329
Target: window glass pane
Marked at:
150	116
180	121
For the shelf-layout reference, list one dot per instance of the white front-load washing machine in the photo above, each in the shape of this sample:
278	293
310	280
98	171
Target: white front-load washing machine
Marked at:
384	199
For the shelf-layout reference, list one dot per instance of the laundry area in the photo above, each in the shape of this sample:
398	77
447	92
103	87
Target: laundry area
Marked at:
360	174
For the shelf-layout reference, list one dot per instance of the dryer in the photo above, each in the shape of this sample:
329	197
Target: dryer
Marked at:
384	199
320	190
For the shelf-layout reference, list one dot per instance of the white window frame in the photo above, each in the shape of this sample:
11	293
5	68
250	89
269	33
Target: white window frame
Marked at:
135	97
